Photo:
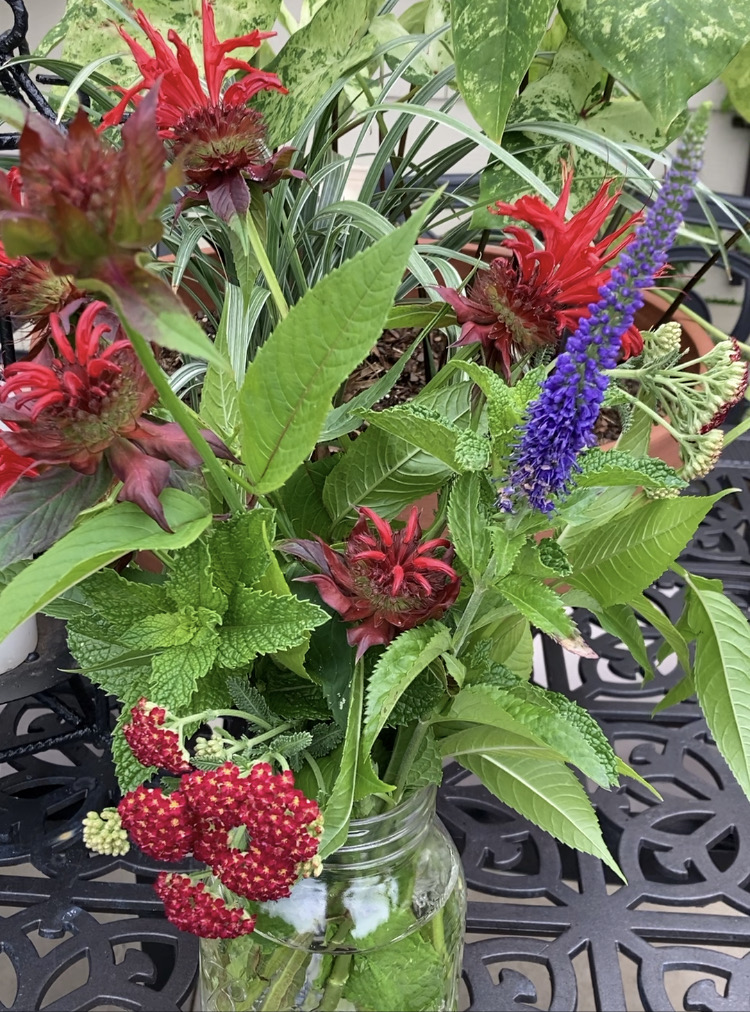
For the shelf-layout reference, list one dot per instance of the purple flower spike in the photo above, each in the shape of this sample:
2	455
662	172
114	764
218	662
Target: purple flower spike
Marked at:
560	422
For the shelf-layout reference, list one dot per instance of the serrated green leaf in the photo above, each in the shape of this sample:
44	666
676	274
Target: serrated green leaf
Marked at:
547	717
616	467
122	602
290	745
302	498
325	738
408	655
326	334
387	473
421	427
538	603
165	629
176	671
427	768
663	50
37	512
552	556
95	646
663	625
494	43
257	622
190	579
620	621
98	540
720	673
505	549
246	697
534	783
338	810
238	548
616	562
467	522
418	700
220	394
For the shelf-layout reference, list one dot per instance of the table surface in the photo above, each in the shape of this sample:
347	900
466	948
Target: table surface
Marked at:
547	928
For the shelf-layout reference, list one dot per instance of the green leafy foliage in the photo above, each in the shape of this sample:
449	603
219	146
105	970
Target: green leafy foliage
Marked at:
302	497
616	467
95	542
720	673
326	334
407	656
533	781
427	768
406	974
422	427
617	561
620	620
387	473
37	512
494	43
238	548
418	699
246	697
538	603
339	807
663	50
258	622
546	717
736	77
467	521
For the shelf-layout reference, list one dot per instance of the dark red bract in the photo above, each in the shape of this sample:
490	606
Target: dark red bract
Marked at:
530	298
384	581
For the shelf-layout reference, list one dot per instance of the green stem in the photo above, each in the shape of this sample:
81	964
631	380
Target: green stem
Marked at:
216	714
410	754
652	414
336	980
738	430
259	252
182	415
279	996
470	611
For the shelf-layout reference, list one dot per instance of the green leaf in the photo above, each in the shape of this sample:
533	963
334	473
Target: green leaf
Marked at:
616	562
330	660
120	601
494	43
130	774
326	334
313	59
246	697
467	522
220	395
534	783
427	768
616	467
663	50
720	672
262	623
408	655
13	113
620	621
387	473
538	603
505	549
190	580
736	77
302	498
679	692
672	635
238	548
176	671
547	717
422	427
98	540
338	811
37	512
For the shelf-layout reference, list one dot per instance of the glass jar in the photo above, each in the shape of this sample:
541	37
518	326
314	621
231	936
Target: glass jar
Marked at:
381	928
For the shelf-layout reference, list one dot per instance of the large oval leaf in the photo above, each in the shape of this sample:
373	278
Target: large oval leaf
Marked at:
664	50
494	42
98	540
286	396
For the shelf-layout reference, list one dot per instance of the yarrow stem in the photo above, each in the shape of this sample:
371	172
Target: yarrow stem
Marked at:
560	422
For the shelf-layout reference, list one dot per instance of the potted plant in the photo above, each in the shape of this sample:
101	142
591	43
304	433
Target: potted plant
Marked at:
293	676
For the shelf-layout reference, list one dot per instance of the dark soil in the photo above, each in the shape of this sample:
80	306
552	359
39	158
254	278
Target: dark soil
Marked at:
389	349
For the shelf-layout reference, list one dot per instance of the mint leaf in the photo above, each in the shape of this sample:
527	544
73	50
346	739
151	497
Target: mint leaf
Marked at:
427	768
238	550
420	426
467	521
107	661
263	623
166	629
122	602
175	672
191	580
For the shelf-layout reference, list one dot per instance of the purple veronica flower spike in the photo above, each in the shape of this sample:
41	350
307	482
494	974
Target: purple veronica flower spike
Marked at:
560	421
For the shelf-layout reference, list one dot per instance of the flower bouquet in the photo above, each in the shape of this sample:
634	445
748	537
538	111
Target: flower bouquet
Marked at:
295	639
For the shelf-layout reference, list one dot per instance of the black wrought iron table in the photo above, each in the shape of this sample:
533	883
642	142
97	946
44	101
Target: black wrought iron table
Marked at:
547	928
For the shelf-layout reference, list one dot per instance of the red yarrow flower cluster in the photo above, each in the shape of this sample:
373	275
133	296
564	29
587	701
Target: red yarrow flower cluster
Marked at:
191	907
384	581
218	139
151	742
531	297
86	403
256	832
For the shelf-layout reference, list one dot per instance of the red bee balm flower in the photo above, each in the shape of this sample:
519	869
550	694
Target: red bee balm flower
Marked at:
218	138
531	297
383	581
88	403
12	467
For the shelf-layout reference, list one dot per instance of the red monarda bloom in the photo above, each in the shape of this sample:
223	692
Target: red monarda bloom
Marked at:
384	581
29	289
87	402
216	136
530	298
